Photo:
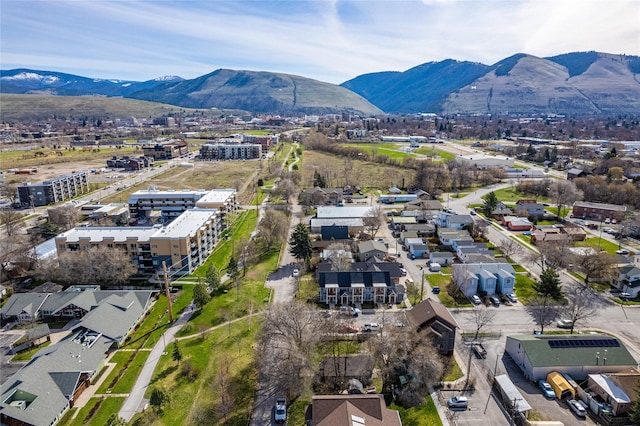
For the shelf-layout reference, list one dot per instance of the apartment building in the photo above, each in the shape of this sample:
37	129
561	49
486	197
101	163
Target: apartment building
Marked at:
184	244
165	150
230	151
172	203
53	191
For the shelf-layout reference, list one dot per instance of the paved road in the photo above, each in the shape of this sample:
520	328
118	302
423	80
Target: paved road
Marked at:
135	401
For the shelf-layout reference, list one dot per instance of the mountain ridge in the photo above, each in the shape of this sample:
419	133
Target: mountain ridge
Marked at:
577	83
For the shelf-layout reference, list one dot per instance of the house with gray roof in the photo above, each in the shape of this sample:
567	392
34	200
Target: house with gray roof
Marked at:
370	248
627	279
23	307
577	355
455	221
491	278
46	388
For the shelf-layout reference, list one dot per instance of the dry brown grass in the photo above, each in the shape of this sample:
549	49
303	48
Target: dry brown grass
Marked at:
364	174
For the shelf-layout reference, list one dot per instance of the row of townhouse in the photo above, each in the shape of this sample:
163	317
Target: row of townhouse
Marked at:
46	388
488	278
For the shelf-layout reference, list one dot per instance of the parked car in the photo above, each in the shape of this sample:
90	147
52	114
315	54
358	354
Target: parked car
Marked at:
436	290
625	296
373	326
348	310
546	389
458	402
296	272
512	298
577	408
403	272
475	299
622	251
494	301
472	212
280	410
565	323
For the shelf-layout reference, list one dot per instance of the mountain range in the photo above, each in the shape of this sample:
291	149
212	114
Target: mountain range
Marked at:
580	83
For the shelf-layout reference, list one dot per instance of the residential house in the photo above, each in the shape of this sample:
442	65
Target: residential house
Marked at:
575	173
350	410
453	221
464	251
501	210
369	249
336	371
442	258
320	196
449	236
575	354
421	229
529	208
418	251
598	211
399	222
346	288
436	320
488	278
397	198
47	387
353	225
515	223
424	205
372	265
627	279
23	307
615	390
334	232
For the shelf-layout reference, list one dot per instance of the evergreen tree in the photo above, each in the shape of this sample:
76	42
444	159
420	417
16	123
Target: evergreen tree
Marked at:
634	414
549	284
531	151
201	296
158	398
232	268
176	354
490	204
300	242
213	278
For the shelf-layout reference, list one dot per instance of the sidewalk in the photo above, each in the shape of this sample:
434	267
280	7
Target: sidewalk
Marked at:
134	402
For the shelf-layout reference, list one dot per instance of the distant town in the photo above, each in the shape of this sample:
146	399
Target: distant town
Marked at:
331	269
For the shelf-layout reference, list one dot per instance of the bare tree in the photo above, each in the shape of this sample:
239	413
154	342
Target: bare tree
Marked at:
98	265
17	255
582	303
404	353
595	266
285	189
10	190
273	228
544	311
564	192
11	221
340	257
65	216
289	335
509	247
222	386
374	219
482	317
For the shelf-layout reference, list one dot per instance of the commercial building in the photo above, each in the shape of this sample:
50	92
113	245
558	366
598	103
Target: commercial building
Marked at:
166	150
183	244
53	191
578	355
172	203
234	151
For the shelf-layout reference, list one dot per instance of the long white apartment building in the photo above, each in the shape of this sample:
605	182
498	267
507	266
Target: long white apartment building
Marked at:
172	203
184	244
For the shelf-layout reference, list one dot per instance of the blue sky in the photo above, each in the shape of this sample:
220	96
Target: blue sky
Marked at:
331	41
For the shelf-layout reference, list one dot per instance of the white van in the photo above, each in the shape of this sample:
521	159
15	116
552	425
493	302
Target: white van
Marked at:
434	267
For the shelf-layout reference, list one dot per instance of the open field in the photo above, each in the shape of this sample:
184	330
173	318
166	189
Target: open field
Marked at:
365	174
391	150
96	412
33	107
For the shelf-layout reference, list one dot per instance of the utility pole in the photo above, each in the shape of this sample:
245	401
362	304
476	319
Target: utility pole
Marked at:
166	289
422	285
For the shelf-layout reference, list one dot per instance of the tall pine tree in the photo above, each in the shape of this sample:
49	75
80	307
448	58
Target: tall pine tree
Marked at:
549	284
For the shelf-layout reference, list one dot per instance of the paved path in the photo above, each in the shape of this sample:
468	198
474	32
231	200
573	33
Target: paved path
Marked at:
134	402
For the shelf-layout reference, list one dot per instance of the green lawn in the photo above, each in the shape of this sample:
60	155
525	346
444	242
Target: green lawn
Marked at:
226	351
524	288
512	195
251	296
454	372
598	244
388	149
90	415
26	355
434	152
124	375
424	415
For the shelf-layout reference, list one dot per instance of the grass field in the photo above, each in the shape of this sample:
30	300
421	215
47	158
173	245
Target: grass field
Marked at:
365	174
388	149
226	352
123	376
511	195
598	244
434	152
96	412
524	288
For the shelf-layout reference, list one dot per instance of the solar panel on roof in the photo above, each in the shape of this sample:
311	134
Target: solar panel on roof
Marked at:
582	343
